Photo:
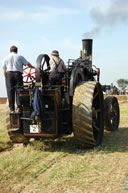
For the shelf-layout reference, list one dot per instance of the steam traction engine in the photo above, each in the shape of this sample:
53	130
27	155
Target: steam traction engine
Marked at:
77	105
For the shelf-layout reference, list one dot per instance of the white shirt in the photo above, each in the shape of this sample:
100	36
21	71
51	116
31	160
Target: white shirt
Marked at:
61	67
14	62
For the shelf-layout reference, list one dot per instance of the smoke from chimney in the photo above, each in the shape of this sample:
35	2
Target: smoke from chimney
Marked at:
117	12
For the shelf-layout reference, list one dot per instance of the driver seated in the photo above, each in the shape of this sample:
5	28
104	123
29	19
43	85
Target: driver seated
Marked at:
57	68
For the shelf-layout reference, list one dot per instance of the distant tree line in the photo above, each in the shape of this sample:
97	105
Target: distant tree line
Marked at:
122	83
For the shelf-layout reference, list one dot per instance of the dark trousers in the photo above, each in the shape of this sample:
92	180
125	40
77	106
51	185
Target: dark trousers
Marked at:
13	79
56	78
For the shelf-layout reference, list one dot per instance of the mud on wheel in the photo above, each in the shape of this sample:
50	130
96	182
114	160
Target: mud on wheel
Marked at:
88	114
111	113
15	134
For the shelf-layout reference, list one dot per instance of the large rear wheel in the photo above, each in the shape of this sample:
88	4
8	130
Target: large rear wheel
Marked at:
87	114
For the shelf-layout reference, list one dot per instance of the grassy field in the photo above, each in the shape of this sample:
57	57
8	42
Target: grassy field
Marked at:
59	166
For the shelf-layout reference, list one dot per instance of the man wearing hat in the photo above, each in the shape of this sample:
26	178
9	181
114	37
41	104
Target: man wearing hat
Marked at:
57	68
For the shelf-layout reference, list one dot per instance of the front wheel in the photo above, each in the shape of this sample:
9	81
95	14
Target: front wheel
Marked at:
111	113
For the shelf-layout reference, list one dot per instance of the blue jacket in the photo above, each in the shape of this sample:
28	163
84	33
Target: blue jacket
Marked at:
37	104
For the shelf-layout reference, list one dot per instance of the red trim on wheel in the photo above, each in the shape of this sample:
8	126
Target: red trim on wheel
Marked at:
29	74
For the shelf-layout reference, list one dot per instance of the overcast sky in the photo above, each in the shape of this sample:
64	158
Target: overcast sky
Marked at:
39	26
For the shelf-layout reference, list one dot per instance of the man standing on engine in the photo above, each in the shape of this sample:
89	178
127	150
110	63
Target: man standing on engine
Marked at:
12	70
57	68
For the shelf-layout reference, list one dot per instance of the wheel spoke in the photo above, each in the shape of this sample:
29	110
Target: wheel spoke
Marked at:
43	63
98	110
30	70
25	72
97	128
27	79
96	94
33	73
32	78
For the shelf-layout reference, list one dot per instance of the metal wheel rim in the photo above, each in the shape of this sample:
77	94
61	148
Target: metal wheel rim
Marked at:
97	113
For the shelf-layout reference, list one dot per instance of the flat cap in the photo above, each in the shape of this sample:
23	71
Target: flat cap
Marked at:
55	53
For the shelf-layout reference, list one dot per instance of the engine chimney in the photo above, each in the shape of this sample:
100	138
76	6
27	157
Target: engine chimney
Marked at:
87	48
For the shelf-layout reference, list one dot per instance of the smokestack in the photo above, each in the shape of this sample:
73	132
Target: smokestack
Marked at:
87	47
